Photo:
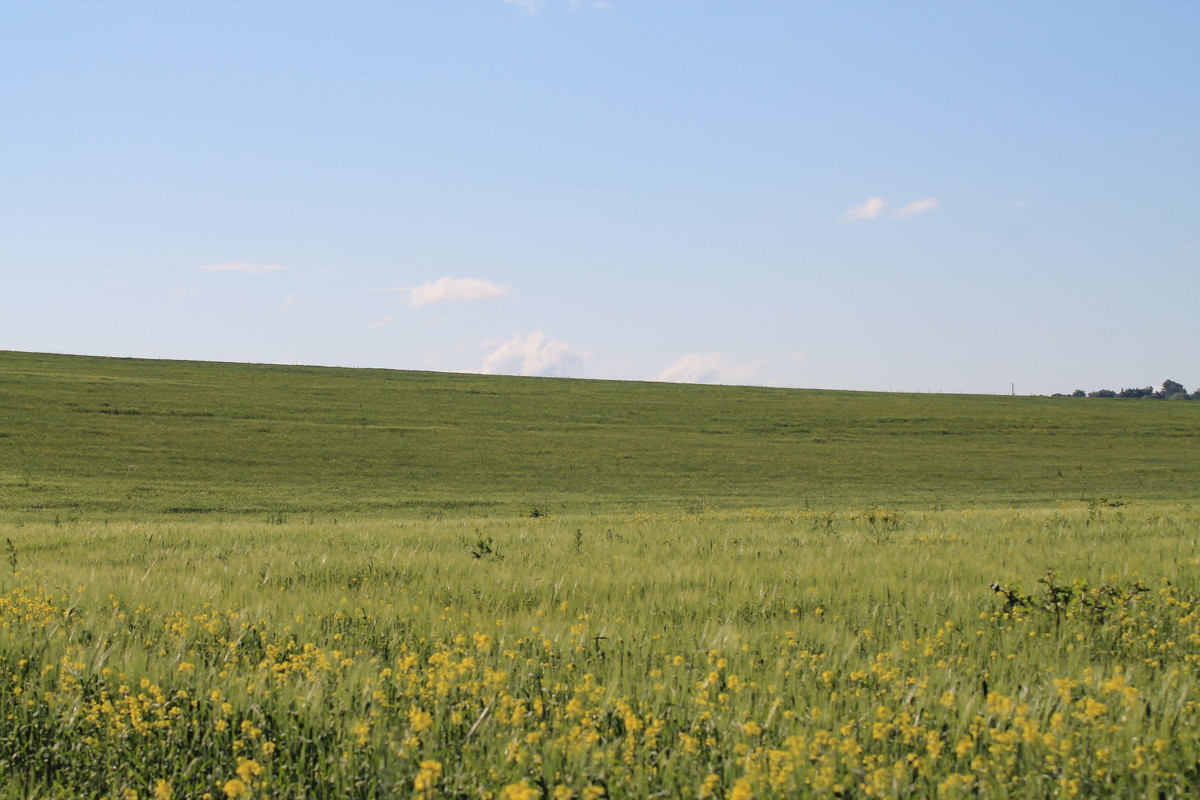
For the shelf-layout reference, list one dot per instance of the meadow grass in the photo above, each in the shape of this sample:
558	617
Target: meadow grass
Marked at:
725	608
89	438
714	655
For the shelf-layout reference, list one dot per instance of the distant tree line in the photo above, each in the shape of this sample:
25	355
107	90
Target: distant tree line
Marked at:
1170	390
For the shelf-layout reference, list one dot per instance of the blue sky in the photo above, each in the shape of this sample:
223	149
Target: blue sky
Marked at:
919	196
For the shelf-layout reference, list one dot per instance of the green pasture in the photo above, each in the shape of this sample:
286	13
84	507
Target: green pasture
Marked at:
246	581
101	438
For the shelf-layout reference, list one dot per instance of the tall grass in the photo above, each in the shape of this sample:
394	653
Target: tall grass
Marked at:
224	581
849	652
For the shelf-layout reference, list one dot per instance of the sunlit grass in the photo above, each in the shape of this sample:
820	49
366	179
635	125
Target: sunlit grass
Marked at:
856	652
85	439
224	581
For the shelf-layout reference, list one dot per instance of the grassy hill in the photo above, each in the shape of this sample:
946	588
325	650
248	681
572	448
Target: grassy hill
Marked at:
84	437
255	581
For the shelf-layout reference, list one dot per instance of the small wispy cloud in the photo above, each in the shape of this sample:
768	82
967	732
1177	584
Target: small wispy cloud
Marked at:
873	207
451	290
710	368
1017	203
534	6
239	266
868	209
528	6
382	322
290	301
534	354
917	207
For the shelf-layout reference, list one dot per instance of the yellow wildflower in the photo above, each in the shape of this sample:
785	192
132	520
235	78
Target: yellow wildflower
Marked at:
519	791
235	788
248	769
421	721
709	787
741	789
428	776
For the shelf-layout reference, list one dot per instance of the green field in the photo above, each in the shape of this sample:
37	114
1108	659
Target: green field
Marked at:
260	581
115	439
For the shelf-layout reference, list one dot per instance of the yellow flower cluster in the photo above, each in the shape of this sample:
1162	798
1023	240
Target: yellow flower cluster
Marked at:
234	706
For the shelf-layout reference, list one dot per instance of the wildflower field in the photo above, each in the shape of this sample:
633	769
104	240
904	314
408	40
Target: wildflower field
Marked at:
649	644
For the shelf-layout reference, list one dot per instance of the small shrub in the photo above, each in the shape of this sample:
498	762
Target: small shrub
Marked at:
484	548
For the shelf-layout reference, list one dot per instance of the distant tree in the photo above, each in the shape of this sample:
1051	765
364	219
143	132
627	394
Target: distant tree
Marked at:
1171	388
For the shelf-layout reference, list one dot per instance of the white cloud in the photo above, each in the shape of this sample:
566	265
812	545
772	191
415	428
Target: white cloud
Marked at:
869	209
449	289
290	301
535	354
387	319
1017	203
534	6
917	207
710	368
237	266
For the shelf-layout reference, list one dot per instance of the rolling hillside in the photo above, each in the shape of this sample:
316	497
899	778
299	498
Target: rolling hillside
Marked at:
98	438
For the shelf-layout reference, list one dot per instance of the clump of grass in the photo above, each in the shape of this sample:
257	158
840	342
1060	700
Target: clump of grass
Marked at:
484	548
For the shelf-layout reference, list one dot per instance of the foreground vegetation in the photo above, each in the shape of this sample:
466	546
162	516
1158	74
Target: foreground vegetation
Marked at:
731	655
223	581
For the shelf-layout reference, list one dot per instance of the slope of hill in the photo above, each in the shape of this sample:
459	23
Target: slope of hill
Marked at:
121	438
